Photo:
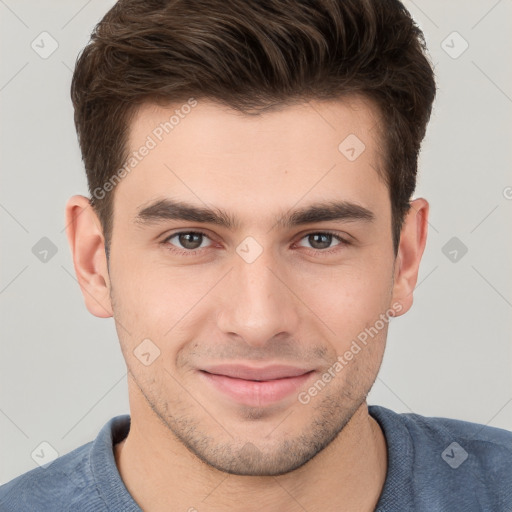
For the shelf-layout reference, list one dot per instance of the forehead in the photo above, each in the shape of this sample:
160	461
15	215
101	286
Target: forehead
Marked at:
208	153
205	121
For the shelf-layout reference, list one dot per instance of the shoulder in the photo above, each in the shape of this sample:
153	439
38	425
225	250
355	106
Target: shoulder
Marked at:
50	485
73	481
485	443
450	460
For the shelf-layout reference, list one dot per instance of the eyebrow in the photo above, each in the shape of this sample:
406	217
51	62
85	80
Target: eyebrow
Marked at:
167	209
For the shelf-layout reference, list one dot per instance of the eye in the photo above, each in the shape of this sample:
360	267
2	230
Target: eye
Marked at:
322	240
188	241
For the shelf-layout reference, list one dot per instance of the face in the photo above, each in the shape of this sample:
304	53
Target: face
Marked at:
249	257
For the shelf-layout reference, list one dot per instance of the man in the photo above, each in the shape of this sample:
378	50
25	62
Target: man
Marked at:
251	231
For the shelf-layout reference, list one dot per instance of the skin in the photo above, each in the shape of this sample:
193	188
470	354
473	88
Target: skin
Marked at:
189	446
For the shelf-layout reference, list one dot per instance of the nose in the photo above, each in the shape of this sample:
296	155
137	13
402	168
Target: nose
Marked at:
257	301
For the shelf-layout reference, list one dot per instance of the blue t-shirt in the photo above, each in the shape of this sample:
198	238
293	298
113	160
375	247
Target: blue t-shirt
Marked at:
434	465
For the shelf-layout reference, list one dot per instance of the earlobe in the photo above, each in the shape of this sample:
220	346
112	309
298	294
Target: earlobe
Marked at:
87	243
412	244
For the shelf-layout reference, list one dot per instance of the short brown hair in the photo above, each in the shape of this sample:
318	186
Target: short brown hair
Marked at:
252	55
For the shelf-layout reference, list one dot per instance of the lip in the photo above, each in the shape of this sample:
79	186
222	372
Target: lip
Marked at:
242	371
256	386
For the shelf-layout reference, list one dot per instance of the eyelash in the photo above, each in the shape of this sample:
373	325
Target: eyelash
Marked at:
193	252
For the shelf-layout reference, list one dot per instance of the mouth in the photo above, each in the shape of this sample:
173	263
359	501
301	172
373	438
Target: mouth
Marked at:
256	387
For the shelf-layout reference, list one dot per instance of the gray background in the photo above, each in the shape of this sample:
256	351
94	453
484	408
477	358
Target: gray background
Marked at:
62	373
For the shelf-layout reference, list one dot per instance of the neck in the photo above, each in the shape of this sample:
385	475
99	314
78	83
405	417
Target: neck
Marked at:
159	471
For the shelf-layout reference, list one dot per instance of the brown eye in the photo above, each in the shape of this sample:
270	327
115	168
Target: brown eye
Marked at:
322	240
186	241
190	240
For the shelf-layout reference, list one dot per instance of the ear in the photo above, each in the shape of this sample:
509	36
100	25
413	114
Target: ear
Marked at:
412	243
87	243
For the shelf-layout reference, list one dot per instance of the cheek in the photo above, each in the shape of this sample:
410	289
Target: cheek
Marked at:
349	299
150	298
